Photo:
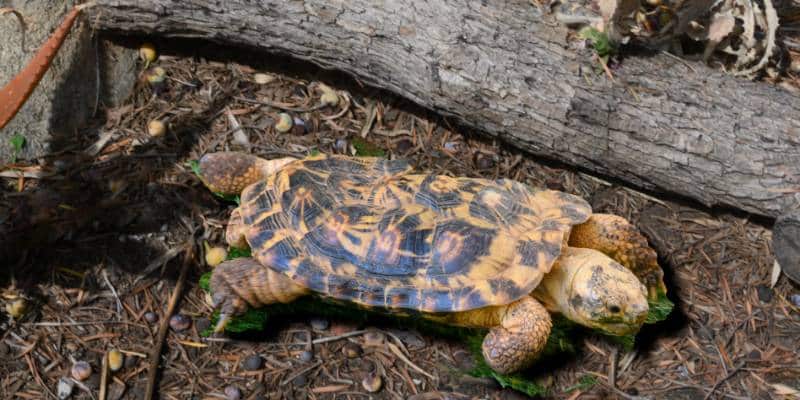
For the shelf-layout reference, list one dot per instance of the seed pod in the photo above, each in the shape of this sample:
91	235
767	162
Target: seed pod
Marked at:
148	53
115	360
285	123
329	96
156	128
263	79
215	255
81	370
156	75
351	350
372	382
16	309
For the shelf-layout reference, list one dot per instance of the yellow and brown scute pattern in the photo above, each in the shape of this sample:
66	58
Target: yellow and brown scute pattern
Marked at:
370	231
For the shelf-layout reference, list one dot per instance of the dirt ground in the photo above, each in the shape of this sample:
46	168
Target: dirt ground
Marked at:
97	233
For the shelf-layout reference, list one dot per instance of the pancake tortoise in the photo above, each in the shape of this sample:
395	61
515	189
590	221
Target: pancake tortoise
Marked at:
469	252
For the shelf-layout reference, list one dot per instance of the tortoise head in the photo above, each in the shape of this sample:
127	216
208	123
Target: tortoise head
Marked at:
229	173
595	291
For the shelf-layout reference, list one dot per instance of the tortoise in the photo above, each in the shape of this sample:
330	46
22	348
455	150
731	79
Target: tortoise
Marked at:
468	252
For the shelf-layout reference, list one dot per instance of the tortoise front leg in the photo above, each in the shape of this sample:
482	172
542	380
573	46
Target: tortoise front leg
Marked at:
519	339
617	238
242	282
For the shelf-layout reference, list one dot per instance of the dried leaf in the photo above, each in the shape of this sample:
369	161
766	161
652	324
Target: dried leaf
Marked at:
785	390
776	274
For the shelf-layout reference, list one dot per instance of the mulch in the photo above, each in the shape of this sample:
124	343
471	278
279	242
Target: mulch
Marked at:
95	236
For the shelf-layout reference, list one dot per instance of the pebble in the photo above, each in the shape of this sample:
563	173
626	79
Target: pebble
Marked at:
795	299
253	363
403	146
151	317
232	393
351	350
306	356
341	146
372	382
81	370
484	161
764	293
319	324
300	380
180	322
64	388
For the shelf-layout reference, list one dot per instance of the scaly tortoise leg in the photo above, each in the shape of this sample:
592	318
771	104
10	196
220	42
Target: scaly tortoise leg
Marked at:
243	282
519	339
620	240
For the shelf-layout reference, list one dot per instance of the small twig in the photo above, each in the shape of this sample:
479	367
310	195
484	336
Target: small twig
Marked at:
103	377
335	338
698	387
158	262
58	324
155	355
300	372
719	382
612	369
400	355
114	292
280	106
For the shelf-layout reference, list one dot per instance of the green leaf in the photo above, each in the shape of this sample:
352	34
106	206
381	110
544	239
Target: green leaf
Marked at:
660	308
17	142
195	166
599	40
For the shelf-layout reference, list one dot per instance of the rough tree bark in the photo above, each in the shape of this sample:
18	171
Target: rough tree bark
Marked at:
506	69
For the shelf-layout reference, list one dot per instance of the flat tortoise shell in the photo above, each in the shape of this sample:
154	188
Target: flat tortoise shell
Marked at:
369	231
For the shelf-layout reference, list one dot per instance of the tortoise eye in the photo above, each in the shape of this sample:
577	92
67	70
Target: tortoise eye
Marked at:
614	309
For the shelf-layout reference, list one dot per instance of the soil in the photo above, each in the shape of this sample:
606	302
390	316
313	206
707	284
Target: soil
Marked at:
95	235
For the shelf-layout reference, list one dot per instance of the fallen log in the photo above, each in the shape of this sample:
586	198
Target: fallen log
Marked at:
506	68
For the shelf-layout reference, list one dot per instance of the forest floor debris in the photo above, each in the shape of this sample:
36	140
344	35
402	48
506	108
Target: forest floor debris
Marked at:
97	254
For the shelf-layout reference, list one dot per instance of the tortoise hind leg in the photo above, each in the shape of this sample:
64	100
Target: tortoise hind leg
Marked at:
243	282
520	338
229	173
620	240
